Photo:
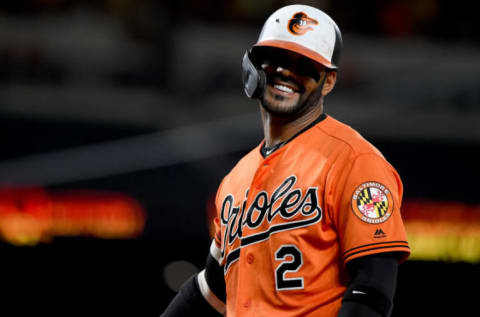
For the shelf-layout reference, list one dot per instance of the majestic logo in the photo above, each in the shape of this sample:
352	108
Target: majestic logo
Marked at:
372	202
379	233
301	23
285	203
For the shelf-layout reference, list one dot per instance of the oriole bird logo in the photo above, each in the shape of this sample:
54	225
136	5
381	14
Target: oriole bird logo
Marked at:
301	23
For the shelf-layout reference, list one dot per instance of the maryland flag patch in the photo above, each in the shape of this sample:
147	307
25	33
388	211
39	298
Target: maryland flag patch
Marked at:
372	202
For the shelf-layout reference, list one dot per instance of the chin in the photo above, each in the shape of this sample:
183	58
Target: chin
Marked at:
279	105
280	110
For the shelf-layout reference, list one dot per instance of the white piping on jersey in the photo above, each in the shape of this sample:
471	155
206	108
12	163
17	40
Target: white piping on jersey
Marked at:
216	252
209	296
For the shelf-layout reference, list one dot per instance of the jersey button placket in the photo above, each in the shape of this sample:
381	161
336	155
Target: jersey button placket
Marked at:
248	277
261	174
250	280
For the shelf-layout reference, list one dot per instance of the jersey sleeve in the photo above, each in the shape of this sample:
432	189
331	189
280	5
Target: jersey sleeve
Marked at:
215	247
369	219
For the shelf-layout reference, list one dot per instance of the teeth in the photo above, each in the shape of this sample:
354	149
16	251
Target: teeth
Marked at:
283	88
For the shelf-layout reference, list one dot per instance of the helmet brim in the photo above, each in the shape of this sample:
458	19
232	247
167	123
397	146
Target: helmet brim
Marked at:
297	48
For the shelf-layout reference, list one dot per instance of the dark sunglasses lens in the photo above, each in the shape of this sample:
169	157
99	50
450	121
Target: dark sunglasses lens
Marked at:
274	57
307	68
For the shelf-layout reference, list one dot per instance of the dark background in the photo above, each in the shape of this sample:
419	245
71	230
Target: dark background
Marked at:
167	73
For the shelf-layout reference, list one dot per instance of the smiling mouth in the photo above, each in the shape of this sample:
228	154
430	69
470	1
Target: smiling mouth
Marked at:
284	87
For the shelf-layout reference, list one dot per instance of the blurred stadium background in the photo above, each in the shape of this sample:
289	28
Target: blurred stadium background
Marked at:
119	118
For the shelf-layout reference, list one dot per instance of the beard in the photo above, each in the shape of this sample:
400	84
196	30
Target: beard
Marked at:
281	107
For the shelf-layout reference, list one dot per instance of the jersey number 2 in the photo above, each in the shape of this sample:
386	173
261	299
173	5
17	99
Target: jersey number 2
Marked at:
292	261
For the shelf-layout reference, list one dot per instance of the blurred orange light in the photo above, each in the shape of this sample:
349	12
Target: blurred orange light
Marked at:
443	231
32	215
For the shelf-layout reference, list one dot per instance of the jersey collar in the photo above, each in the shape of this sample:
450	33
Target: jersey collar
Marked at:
266	151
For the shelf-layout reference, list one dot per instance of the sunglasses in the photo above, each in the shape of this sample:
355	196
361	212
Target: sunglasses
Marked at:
270	58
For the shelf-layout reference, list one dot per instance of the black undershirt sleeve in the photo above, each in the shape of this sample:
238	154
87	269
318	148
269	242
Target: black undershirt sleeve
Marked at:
372	286
215	278
189	301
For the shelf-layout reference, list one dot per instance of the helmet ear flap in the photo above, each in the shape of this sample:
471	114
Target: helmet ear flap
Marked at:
254	79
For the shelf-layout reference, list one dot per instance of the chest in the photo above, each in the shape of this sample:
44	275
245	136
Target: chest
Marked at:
270	201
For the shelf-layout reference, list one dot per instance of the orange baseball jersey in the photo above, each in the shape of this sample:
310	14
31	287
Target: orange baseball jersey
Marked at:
287	224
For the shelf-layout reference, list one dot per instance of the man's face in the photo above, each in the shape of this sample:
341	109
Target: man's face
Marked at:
291	81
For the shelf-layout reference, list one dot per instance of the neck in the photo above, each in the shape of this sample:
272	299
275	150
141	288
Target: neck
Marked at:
279	129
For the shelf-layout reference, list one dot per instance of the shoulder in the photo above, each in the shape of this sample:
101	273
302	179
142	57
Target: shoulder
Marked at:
346	138
242	169
357	158
248	161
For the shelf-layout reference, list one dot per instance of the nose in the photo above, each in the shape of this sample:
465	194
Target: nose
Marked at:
284	71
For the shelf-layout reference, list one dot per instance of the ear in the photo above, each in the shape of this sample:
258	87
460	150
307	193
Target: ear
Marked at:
330	81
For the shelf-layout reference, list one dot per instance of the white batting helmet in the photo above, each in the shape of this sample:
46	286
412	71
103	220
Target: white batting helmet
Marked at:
299	28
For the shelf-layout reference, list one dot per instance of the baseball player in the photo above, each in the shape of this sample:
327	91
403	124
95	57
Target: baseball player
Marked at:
308	223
